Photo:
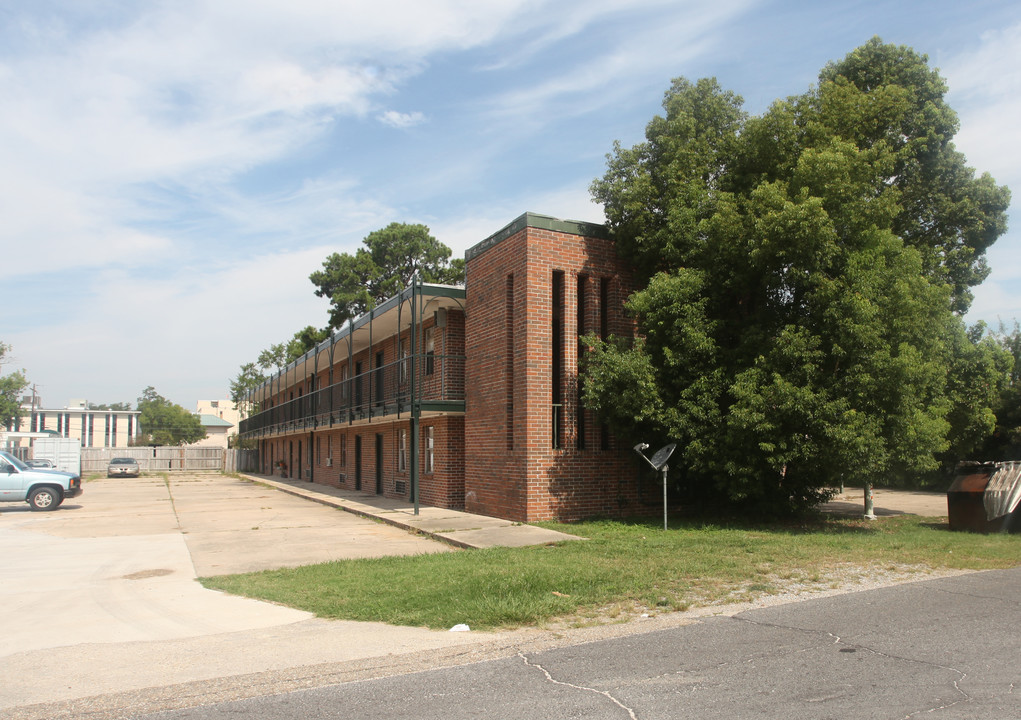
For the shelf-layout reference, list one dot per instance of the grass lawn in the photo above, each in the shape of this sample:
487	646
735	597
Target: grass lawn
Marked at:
621	569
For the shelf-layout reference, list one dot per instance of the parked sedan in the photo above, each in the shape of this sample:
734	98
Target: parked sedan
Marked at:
123	467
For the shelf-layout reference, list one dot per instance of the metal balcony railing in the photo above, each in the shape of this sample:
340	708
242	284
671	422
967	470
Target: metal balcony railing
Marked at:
382	392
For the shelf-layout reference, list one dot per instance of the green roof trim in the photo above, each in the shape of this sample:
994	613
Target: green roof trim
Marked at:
213	421
540	222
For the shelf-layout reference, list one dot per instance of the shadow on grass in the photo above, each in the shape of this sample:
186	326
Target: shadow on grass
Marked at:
812	523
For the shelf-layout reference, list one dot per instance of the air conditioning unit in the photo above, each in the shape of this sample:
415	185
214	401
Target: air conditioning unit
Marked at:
329	462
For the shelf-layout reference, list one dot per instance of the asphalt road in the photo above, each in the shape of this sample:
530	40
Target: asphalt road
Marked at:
943	648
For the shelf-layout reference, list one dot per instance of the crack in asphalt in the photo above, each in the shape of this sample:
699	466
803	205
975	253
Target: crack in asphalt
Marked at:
173	505
837	640
994	598
604	693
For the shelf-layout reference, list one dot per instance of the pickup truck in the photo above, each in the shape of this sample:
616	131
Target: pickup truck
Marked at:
41	489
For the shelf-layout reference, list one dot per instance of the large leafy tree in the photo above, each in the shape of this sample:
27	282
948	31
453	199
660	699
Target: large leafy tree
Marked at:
1005	442
248	379
165	423
802	275
11	386
385	266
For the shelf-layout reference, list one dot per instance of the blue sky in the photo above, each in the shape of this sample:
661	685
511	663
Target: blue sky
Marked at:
171	172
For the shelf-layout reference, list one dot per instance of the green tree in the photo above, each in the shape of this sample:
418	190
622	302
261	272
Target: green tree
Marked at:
111	406
799	275
275	356
1005	441
165	423
11	386
304	340
248	379
391	257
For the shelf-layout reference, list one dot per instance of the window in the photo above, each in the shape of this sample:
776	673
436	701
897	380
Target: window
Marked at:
557	357
509	332
402	452
604	308
358	385
429	447
580	330
343	450
378	392
430	351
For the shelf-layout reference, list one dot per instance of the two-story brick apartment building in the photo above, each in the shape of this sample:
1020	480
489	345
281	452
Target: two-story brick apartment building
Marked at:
466	397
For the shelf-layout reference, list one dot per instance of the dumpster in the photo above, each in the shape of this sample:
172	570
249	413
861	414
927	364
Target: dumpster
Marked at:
985	497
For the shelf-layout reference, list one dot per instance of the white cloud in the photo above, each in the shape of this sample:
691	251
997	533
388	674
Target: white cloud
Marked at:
401	120
652	54
186	333
475	225
985	89
188	96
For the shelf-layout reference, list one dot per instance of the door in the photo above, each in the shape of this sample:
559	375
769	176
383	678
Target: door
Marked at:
358	389
11	482
379	464
358	462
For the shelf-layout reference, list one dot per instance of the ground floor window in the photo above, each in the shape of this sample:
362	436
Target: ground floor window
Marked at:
429	447
402	452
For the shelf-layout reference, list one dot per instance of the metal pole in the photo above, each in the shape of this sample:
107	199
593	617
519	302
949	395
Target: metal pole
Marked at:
664	472
415	405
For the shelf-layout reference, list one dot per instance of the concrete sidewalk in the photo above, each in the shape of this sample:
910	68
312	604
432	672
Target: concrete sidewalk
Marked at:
455	527
467	530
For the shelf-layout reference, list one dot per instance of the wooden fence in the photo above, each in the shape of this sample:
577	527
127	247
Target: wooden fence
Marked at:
172	459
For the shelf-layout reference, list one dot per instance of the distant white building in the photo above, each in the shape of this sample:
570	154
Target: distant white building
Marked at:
91	427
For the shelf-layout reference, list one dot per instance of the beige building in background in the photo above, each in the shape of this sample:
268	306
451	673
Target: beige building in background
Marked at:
218	432
220	420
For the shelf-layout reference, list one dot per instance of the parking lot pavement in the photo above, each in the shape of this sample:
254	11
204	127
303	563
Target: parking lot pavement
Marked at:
888	502
102	593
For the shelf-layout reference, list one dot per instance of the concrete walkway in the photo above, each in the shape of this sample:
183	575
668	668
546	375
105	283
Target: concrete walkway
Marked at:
455	527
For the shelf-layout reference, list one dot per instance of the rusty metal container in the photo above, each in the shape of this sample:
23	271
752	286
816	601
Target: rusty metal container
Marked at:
984	497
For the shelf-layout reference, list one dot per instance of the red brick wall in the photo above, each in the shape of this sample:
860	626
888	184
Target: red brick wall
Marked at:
443	487
535	481
495	474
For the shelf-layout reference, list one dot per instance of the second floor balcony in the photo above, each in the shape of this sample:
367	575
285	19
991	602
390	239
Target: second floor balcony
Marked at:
345	381
383	393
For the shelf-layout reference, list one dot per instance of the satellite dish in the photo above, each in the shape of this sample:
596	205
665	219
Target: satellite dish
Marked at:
662	455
